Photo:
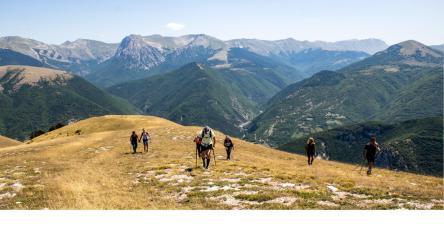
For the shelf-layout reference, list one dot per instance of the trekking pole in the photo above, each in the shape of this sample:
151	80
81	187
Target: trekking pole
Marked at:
214	155
196	157
361	164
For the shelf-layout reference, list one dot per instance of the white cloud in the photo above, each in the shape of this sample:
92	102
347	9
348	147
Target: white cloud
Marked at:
175	26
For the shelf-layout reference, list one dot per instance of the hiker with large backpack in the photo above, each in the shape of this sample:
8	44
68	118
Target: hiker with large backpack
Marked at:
133	140
229	146
370	150
310	150
207	143
145	136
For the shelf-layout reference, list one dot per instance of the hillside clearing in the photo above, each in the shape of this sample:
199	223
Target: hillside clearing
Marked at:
88	165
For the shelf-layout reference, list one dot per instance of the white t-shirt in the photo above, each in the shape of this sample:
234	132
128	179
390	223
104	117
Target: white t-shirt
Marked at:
207	139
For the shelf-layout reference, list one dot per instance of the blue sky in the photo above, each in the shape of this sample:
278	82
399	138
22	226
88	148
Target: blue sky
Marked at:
394	21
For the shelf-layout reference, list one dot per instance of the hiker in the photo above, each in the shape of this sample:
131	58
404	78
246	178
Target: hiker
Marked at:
207	140
133	140
310	150
197	142
370	150
229	146
145	136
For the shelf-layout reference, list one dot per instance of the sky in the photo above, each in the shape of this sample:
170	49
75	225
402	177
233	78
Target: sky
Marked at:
56	21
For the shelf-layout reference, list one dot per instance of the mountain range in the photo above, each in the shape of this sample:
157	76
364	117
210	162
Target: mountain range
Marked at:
400	83
140	56
78	56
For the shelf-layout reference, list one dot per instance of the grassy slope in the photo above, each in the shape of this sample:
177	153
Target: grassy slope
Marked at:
302	108
9	57
191	96
94	170
414	145
7	142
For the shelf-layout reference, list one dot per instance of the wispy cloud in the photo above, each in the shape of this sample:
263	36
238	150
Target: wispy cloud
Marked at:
175	26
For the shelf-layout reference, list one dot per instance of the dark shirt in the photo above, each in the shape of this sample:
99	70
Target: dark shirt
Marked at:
228	143
310	149
133	139
371	149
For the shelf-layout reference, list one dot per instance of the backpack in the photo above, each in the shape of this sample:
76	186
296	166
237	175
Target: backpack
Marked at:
228	143
203	133
145	136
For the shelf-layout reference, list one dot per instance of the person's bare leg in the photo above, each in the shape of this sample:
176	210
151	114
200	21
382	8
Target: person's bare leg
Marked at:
370	166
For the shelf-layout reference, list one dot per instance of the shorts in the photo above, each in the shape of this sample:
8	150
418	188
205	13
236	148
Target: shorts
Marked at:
370	158
310	154
205	147
145	142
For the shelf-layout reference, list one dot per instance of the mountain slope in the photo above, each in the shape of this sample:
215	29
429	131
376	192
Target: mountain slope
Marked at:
414	145
93	169
138	57
9	57
79	56
7	142
403	82
193	94
438	47
313	60
288	46
33	98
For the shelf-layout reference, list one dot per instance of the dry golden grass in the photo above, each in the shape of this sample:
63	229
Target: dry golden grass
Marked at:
88	165
7	142
31	75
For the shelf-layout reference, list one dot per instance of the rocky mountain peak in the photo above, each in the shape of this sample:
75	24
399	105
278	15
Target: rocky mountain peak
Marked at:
136	52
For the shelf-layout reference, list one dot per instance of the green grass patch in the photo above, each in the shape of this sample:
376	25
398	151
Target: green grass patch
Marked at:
260	197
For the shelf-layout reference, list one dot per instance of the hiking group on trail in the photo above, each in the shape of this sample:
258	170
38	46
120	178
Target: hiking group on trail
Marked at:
134	140
205	142
369	153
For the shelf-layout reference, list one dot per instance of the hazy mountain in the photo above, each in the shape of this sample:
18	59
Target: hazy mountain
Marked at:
78	56
313	60
288	46
192	95
9	57
403	82
139	57
142	56
413	146
34	98
438	47
258	77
